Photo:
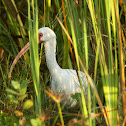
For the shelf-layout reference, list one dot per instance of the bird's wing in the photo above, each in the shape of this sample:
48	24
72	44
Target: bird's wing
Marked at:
70	82
56	88
83	78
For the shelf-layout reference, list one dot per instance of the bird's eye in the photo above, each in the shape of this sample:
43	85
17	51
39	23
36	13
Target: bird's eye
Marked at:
40	35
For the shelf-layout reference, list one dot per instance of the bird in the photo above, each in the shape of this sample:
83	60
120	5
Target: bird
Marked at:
63	81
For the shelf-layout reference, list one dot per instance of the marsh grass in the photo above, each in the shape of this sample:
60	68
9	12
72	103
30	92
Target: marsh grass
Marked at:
90	38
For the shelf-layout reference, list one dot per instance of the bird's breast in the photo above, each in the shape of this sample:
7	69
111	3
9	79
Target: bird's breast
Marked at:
66	81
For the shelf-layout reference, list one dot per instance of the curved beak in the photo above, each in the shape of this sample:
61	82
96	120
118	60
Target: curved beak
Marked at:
23	51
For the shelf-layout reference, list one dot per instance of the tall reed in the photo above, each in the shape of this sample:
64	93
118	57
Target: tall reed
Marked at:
34	57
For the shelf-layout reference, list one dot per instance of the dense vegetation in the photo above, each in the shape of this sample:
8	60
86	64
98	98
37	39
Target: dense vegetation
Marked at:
90	37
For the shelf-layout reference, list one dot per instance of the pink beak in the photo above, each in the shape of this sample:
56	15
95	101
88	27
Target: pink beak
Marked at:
23	51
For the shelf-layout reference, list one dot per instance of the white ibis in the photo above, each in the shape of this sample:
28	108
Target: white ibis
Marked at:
63	80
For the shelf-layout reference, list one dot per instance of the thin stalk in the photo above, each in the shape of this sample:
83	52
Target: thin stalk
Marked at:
3	76
60	113
86	45
74	34
34	57
122	71
66	56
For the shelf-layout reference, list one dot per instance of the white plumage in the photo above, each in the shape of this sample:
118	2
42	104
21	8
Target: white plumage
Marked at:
63	80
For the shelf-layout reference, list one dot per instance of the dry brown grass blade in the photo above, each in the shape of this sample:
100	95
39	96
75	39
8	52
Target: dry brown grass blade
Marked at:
121	61
118	121
50	94
55	96
95	90
67	31
124	121
89	78
123	38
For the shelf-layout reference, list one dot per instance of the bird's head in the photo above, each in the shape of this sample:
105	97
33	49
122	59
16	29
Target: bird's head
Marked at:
45	34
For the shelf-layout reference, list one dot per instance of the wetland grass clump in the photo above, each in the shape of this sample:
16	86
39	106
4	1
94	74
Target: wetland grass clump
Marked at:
90	38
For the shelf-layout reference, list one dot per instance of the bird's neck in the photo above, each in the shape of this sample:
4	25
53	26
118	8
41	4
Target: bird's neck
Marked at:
50	50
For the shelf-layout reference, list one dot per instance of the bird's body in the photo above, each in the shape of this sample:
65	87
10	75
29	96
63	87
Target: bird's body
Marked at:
67	83
63	80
